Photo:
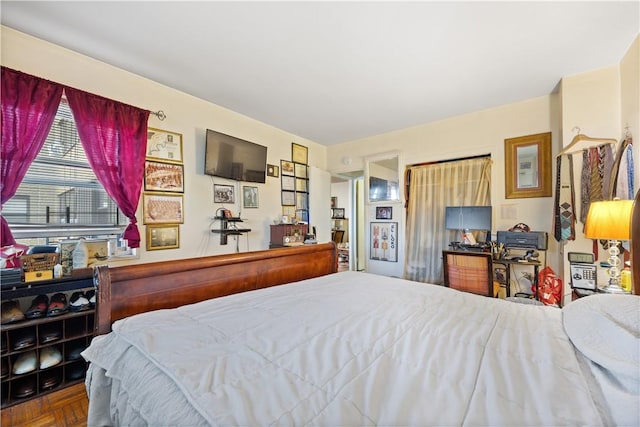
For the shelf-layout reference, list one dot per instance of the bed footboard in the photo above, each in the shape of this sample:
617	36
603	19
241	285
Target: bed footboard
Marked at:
128	290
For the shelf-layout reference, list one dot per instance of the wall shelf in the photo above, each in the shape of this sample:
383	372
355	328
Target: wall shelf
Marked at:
226	229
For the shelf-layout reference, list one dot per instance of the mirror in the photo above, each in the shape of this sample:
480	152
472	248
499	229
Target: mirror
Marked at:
528	166
383	180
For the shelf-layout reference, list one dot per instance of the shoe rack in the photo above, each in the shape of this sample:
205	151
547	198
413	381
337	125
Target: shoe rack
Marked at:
64	336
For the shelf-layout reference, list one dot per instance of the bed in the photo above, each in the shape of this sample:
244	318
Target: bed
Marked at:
279	337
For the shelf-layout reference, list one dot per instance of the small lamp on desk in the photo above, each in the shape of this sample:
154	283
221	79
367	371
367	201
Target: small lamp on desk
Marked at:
610	220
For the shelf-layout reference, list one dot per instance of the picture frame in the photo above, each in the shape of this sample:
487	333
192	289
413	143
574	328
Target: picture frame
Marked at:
249	197
299	153
302	200
288	183
384	241
301	185
162	208
289	211
97	249
528	166
334	202
223	193
273	171
287	168
165	236
384	212
337	213
300	170
288	198
161	176
164	145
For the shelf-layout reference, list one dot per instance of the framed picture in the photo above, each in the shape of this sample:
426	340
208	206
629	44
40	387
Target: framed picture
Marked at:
384	212
249	197
299	153
166	236
288	183
302	215
273	171
337	213
301	185
301	170
288	198
223	193
164	145
302	201
384	241
528	166
334	202
161	208
97	249
289	211
287	167
163	177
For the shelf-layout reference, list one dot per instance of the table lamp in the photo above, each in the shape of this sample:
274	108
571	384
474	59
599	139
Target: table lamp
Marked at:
610	220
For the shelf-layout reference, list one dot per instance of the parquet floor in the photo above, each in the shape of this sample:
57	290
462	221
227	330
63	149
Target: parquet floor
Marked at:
64	408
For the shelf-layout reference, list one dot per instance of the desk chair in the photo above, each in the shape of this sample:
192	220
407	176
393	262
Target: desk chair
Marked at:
468	271
338	235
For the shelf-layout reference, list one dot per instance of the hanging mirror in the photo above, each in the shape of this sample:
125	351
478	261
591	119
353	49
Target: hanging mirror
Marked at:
383	180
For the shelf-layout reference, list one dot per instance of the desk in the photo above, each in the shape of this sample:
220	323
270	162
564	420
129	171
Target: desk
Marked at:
509	262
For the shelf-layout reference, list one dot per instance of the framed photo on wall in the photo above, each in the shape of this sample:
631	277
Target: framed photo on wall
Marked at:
159	176
223	193
249	197
384	212
273	171
165	236
159	208
286	167
384	241
164	145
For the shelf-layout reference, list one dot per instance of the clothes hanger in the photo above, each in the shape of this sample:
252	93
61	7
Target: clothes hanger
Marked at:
580	137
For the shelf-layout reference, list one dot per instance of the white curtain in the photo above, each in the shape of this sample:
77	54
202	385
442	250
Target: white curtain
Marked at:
432	188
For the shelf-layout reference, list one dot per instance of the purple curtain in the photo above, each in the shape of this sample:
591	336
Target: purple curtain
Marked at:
114	137
29	105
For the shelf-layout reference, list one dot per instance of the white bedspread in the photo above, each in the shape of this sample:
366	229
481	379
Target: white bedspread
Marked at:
348	349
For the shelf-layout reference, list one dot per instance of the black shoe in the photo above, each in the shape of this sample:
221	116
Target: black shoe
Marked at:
58	305
78	302
38	307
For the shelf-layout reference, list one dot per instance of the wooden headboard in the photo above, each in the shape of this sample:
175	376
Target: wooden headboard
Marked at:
127	290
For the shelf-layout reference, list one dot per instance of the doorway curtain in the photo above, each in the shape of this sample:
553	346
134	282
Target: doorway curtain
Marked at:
432	187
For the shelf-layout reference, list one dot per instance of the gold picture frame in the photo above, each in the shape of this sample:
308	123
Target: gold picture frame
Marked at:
162	208
165	236
164	145
528	166
299	153
161	176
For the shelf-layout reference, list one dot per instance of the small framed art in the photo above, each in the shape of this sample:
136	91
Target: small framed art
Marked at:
384	241
165	236
249	197
167	177
286	167
161	208
164	145
337	213
223	193
299	153
273	171
384	212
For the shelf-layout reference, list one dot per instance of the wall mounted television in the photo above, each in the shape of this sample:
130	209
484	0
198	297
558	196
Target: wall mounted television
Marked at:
468	218
233	158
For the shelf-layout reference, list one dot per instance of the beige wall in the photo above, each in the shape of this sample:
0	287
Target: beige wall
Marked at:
187	115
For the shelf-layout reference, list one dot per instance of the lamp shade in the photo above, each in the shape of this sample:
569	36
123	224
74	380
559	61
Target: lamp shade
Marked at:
609	220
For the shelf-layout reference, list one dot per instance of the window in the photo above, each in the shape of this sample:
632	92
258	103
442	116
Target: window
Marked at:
60	195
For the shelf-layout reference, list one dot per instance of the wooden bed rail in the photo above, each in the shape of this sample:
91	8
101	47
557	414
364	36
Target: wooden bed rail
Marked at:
132	289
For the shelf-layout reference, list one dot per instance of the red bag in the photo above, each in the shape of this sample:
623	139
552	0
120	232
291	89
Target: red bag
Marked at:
549	287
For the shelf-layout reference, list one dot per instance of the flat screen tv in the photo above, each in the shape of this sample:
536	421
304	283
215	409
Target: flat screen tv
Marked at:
468	218
233	158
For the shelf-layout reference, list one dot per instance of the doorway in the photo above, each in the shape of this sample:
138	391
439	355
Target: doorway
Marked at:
347	192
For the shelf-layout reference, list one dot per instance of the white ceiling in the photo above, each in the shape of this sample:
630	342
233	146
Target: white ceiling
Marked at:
339	71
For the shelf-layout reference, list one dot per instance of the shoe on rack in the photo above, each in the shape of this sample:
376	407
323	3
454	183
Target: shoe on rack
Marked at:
49	356
57	305
50	379
25	363
11	312
25	338
91	296
38	307
78	302
25	387
49	333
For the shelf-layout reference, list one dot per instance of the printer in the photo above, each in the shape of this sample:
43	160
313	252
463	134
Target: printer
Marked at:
523	240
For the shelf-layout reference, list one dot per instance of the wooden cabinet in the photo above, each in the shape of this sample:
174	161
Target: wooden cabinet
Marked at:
52	344
294	233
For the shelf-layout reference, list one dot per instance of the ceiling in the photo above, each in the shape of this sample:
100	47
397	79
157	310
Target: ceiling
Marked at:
339	71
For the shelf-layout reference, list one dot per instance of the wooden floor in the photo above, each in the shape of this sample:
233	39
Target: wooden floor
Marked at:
64	408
